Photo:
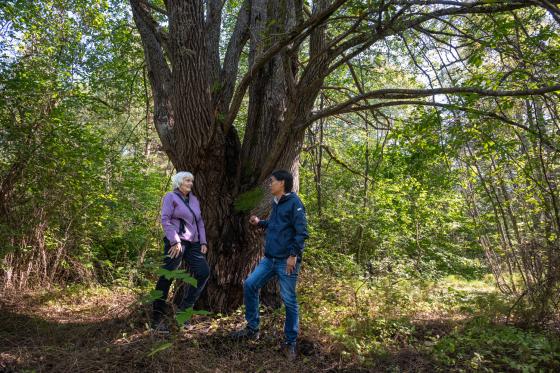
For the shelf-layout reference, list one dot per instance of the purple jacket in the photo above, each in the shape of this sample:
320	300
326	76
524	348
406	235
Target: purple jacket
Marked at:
173	210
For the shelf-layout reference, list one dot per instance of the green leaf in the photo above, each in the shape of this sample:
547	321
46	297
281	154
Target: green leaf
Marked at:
151	296
245	202
177	274
187	314
183	316
161	347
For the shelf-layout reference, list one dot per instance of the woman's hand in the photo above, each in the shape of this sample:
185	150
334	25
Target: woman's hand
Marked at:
175	250
254	220
203	249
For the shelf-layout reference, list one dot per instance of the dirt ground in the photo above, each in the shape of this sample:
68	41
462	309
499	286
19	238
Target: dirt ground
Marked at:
108	332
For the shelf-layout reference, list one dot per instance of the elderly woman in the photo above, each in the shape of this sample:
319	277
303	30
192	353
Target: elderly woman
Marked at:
185	240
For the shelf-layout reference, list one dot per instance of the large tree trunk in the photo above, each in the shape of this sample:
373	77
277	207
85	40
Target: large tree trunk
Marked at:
231	179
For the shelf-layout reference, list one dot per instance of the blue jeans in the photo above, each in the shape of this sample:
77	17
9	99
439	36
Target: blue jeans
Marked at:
266	269
198	268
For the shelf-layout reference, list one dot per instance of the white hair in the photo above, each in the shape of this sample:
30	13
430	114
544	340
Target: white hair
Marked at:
177	179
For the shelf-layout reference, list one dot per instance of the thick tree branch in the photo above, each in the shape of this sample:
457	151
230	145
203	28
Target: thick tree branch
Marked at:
140	9
194	116
402	93
551	6
213	25
156	8
394	26
160	78
262	59
450	107
230	67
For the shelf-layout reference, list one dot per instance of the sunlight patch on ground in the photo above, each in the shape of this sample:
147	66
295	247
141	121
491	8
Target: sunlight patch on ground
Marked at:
76	303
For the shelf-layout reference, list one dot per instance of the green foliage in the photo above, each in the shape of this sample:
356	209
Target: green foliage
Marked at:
481	345
372	317
408	194
187	314
79	183
177	274
151	296
245	202
410	219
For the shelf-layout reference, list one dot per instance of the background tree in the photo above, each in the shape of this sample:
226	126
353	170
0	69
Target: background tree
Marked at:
78	161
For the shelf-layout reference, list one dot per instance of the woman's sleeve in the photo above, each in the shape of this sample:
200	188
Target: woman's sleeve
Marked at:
166	215
201	228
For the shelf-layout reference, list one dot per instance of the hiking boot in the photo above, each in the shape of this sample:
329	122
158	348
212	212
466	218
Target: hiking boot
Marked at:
160	327
246	333
290	351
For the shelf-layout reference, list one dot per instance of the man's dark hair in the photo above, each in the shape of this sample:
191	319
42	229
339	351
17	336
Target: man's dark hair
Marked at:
283	175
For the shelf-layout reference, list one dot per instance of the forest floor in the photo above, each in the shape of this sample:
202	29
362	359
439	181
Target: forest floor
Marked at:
83	329
105	330
108	332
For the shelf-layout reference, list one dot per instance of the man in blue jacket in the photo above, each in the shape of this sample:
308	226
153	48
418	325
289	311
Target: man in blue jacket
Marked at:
286	231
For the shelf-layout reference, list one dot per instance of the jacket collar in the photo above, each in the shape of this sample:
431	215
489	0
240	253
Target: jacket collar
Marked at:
178	192
283	198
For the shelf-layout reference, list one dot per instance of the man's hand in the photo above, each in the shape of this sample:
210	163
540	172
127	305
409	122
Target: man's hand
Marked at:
291	264
254	220
204	249
175	250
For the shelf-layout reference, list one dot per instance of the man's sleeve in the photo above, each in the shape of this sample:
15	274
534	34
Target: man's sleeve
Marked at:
299	222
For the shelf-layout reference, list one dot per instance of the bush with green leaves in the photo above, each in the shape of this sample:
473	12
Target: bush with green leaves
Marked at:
481	345
80	186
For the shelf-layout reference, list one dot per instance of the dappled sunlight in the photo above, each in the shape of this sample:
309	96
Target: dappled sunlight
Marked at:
36	331
80	303
394	163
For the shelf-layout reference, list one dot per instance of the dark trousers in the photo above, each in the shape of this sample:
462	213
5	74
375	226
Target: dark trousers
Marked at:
197	266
